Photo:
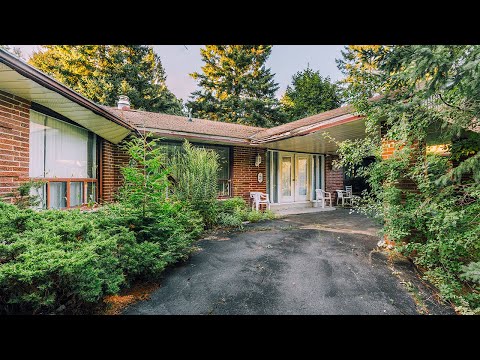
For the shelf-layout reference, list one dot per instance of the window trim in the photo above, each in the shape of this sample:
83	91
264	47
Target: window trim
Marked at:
85	182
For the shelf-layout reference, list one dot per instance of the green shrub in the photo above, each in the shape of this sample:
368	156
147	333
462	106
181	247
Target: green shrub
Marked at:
234	211
196	176
229	220
54	258
232	205
255	216
437	226
52	261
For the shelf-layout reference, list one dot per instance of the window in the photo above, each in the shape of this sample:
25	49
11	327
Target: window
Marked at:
65	156
223	159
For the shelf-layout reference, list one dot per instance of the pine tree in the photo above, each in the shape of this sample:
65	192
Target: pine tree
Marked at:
309	94
360	65
235	86
103	72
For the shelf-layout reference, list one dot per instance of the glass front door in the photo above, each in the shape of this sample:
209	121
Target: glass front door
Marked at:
286	178
294	176
302	177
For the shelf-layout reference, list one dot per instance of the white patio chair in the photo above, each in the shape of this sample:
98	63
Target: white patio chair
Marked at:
345	196
349	190
323	196
259	198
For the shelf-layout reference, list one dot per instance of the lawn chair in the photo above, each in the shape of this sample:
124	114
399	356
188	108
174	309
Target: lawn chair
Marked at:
323	196
259	198
345	196
348	189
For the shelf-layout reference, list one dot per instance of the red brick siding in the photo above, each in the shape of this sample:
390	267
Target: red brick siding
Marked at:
121	159
14	143
244	177
113	157
333	178
405	184
388	149
107	171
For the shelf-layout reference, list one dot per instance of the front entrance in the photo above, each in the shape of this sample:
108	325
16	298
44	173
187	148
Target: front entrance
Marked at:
295	173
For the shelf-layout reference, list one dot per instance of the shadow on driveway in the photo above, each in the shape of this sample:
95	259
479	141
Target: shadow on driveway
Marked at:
317	263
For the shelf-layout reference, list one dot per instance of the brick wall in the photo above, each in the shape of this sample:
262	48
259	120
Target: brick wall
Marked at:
388	149
405	184
244	177
14	142
333	178
112	158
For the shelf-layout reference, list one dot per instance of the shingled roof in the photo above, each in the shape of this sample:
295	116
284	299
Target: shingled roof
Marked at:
159	123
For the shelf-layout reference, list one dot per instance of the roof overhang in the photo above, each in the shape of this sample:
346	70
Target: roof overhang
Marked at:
312	138
195	137
21	79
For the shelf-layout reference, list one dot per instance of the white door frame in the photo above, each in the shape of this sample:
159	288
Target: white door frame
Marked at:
288	198
308	179
320	166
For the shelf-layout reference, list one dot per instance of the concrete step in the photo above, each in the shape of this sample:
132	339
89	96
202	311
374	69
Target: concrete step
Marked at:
289	206
292	206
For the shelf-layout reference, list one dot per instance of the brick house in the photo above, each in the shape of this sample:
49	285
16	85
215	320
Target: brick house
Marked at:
50	132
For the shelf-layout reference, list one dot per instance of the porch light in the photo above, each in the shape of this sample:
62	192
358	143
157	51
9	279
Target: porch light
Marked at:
258	160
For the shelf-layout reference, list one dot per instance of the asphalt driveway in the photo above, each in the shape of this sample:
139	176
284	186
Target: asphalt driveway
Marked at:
316	263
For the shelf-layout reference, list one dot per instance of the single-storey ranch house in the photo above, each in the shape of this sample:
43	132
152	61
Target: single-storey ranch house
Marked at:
50	132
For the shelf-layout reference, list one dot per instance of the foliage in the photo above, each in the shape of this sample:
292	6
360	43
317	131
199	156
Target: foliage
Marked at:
23	197
309	94
145	179
233	212
255	216
235	86
195	173
53	260
66	261
103	72
472	272
430	95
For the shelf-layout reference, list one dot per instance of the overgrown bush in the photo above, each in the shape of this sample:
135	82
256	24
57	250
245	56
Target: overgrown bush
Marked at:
429	204
195	172
68	260
233	212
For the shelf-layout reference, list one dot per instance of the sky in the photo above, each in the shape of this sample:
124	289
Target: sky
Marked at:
181	60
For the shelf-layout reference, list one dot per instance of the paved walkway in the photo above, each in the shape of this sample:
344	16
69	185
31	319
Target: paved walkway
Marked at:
316	263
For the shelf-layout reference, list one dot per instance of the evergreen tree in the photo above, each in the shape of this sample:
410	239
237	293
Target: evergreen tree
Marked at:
236	86
103	72
360	65
309	94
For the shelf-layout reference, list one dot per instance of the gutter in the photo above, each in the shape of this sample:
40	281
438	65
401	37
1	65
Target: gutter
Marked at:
186	134
51	84
308	129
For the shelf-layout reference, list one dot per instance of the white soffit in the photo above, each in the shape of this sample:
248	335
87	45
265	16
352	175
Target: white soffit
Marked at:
315	142
14	83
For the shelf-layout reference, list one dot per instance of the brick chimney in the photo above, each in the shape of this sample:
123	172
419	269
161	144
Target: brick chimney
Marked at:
123	102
